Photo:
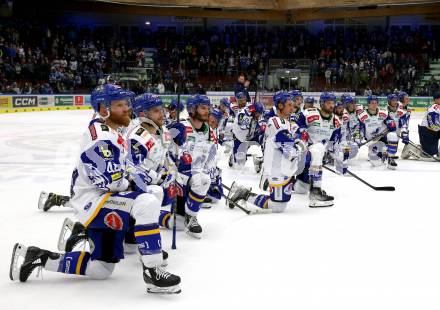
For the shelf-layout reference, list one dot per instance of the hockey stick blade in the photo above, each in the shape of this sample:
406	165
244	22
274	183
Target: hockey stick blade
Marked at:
376	188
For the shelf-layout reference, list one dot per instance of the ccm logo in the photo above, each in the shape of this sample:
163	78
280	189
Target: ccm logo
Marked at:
25	102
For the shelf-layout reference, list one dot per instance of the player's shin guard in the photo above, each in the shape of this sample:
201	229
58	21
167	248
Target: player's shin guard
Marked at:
149	244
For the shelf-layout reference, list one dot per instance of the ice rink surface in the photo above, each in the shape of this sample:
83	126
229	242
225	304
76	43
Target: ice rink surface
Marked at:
372	250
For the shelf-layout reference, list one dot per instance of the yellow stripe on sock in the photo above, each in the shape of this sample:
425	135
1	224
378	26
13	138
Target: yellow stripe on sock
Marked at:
147	232
165	219
95	213
195	198
79	263
281	184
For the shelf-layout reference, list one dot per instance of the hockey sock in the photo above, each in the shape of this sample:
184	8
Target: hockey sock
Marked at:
193	203
261	201
149	244
69	263
164	218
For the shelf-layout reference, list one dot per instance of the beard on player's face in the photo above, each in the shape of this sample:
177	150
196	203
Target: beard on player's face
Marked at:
201	114
120	113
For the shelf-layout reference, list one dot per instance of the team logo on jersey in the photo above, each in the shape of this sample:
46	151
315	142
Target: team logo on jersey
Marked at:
104	128
105	152
114	221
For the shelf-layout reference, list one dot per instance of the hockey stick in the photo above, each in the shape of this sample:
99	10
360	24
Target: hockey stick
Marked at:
173	244
374	138
376	188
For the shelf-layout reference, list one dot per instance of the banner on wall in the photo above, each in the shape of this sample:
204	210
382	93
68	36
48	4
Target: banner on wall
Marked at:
79	100
46	101
63	100
5	102
24	101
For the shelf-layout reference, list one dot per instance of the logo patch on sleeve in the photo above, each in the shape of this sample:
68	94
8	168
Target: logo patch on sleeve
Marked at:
149	144
93	133
114	221
140	131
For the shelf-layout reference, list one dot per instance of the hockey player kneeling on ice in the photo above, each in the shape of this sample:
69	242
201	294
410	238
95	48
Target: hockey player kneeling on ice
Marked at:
429	134
196	154
377	122
318	127
248	128
282	154
215	191
103	206
149	159
346	148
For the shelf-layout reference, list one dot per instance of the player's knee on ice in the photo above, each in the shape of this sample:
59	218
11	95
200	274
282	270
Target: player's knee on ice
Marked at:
281	191
99	270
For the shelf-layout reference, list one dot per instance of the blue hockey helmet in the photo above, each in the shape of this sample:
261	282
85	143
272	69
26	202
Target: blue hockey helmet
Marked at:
295	93
347	99
217	114
105	94
391	97
225	102
193	102
145	102
257	107
436	96
326	96
174	105
309	100
339	103
281	97
372	98
240	96
401	95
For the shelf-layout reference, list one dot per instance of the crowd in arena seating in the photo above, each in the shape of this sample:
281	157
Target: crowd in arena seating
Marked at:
44	59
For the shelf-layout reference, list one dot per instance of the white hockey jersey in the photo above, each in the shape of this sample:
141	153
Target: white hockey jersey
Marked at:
372	125
431	119
100	169
280	152
201	147
320	129
148	154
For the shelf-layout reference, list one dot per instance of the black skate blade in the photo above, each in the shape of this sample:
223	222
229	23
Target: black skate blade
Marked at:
152	289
